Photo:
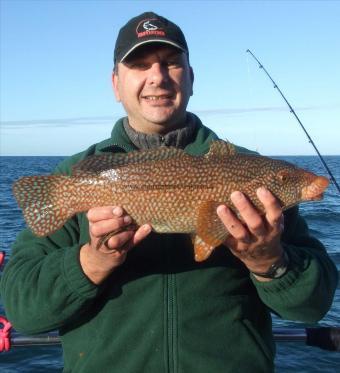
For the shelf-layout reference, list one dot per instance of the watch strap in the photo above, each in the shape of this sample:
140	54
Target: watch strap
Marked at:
277	269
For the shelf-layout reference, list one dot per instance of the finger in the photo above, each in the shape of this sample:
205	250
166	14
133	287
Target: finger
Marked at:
120	240
234	226
250	215
141	233
120	244
105	226
105	212
272	207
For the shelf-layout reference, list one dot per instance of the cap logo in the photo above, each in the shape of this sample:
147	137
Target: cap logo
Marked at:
150	27
147	25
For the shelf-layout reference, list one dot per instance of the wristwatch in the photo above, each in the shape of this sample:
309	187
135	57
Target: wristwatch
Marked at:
277	269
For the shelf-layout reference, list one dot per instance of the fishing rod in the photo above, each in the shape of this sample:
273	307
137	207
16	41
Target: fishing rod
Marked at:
297	118
326	338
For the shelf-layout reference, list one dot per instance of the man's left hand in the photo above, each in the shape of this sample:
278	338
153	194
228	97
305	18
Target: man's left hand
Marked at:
255	239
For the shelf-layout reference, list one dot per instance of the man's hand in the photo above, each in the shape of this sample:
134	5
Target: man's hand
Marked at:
256	239
99	262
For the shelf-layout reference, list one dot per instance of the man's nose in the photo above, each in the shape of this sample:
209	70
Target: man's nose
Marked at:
158	74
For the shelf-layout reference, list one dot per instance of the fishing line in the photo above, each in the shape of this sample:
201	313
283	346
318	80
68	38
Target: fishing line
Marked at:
297	118
251	101
250	83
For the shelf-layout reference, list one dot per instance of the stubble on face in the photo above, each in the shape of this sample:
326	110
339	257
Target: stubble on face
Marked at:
154	85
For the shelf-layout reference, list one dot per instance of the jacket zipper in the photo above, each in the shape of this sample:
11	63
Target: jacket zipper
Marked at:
170	305
171	317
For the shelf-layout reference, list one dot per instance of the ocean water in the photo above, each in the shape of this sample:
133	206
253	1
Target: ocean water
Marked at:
324	221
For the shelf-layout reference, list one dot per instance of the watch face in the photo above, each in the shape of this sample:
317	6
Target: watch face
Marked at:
279	271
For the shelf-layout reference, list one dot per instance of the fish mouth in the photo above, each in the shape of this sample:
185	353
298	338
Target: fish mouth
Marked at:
314	191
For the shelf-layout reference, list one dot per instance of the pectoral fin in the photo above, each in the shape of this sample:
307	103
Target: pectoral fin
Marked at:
210	230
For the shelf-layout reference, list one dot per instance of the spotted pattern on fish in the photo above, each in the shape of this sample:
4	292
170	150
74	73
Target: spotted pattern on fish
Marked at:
98	163
173	191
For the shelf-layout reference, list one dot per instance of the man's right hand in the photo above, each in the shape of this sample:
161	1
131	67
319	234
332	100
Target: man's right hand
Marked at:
98	262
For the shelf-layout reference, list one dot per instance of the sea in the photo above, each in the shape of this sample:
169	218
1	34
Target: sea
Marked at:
323	218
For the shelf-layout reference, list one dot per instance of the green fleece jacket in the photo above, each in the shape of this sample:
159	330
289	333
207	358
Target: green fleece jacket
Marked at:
161	311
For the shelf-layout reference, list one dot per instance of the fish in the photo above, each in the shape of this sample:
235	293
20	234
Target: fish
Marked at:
166	187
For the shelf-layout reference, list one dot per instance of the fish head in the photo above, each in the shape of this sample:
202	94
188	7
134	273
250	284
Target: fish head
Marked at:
315	189
293	185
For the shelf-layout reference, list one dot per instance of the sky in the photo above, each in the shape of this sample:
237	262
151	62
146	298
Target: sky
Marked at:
56	63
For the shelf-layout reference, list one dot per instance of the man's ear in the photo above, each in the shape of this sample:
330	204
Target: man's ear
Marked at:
192	76
115	84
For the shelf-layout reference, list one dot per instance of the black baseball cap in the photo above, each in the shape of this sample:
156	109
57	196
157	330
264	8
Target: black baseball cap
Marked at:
147	28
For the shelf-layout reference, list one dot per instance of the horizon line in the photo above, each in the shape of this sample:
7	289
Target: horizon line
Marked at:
85	120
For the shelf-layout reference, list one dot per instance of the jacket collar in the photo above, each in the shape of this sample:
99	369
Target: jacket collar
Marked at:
120	142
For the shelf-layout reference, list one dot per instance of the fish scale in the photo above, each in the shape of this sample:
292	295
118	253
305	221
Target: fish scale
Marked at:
173	191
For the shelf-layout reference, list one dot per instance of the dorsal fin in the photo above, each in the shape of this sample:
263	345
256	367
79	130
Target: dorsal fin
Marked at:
98	163
220	148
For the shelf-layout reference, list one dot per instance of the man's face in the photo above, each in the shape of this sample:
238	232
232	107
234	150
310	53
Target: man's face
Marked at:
154	84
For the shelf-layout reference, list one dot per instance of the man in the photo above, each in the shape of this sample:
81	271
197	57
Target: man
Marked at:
139	302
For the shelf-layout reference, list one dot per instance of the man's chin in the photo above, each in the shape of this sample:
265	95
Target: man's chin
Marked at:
168	118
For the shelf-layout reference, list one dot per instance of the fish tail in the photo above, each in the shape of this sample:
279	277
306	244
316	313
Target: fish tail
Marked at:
46	201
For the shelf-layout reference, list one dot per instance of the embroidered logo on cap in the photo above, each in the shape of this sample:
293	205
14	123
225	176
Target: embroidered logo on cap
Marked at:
150	27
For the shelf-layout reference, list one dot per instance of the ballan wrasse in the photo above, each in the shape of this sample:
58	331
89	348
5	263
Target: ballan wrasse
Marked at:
173	191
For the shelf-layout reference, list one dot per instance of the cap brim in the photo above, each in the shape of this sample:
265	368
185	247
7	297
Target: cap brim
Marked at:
152	41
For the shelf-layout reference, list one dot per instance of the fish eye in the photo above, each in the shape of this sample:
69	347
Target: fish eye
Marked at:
283	175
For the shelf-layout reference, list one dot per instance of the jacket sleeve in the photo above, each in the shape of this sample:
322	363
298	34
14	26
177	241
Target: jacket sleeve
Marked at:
305	293
43	286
